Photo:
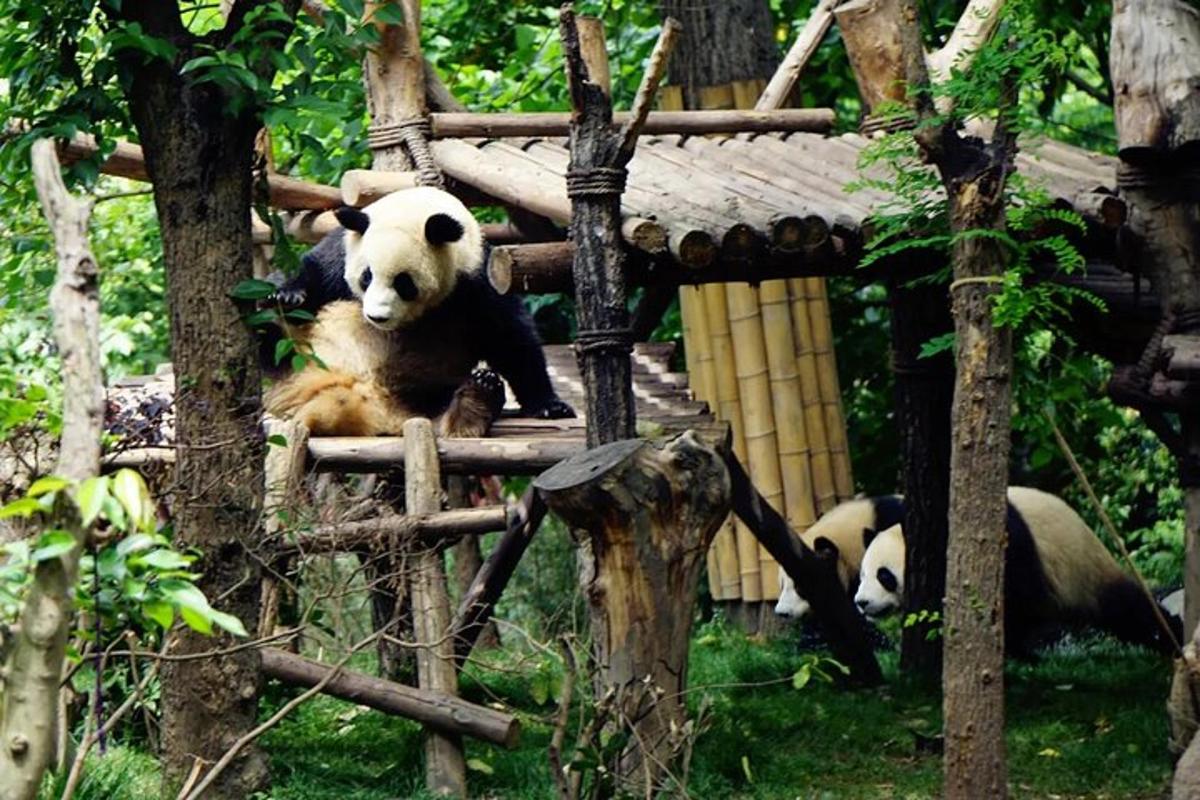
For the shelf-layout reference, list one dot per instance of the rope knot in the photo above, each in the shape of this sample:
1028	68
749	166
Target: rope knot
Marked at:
595	182
617	340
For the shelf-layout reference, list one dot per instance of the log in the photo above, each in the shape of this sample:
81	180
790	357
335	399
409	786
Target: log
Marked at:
784	80
283	470
458	456
441	712
361	187
445	764
555	123
310	227
479	601
379	533
1155	64
127	161
843	626
532	268
662	502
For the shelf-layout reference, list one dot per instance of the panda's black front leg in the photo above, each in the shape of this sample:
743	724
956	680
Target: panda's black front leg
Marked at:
510	344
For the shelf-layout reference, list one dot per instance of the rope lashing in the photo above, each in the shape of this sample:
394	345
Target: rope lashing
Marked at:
596	182
618	341
414	134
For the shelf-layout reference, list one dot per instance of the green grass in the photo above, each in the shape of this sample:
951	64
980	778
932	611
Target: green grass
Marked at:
1085	721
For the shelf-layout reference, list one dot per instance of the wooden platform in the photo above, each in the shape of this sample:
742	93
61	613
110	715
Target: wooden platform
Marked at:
516	445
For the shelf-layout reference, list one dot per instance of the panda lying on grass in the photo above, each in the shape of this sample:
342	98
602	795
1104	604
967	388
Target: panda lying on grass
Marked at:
1057	574
403	315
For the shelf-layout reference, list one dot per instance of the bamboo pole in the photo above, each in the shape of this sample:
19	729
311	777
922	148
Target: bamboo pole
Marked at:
831	394
758	416
821	463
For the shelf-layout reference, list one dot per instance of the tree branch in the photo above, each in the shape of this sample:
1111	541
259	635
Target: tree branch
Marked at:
655	69
157	17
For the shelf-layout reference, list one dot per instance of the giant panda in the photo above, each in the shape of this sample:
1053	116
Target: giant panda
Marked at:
403	315
840	532
1057	574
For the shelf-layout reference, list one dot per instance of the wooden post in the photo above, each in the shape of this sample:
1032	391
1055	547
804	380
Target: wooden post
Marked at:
284	472
395	78
445	769
640	560
595	181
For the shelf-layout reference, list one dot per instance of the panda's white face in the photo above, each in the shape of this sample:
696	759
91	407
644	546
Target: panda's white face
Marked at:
790	603
881	580
406	251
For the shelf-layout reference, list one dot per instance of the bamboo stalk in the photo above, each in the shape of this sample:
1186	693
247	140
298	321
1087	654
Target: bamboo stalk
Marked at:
821	463
729	409
758	416
831	395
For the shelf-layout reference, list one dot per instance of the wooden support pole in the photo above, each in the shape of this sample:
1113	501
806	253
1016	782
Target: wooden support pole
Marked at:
595	181
662	502
784	80
843	626
439	711
445	768
594	51
479	601
361	187
395	77
283	469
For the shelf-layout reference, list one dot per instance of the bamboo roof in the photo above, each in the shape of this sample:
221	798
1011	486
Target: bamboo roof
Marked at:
741	194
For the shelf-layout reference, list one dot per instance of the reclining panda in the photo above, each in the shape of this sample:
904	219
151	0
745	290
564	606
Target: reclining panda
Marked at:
1057	574
404	313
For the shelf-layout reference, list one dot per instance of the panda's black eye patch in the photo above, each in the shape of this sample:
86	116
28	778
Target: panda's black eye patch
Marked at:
365	279
886	579
405	287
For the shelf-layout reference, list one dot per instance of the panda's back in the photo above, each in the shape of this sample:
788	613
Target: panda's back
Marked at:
1073	562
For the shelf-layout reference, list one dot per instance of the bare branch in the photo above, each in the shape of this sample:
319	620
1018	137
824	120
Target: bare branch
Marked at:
655	69
976	25
801	51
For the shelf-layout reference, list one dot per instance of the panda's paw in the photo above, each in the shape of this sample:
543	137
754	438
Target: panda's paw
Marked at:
555	409
290	297
490	387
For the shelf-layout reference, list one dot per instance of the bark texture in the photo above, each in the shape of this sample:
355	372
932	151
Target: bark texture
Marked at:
733	40
198	145
924	391
33	659
644	514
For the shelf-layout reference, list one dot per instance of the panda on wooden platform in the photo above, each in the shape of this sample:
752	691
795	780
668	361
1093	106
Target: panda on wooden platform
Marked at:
404	314
1057	574
840	532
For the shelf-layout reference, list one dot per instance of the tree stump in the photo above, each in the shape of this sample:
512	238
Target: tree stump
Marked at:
644	514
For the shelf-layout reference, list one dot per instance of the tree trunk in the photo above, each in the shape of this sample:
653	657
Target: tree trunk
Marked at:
199	156
924	390
644	514
733	40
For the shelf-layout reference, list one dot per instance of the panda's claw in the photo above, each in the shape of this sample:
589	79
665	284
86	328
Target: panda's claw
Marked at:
290	297
555	409
492	387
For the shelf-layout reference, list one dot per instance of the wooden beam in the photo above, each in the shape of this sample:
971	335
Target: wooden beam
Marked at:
436	528
516	456
554	123
439	711
784	80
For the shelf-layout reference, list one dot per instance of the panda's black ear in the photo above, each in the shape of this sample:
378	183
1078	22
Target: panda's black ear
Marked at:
824	546
352	219
443	229
868	536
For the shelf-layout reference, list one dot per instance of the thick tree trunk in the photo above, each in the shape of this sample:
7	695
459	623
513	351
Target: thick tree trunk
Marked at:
924	391
644	514
973	671
199	158
733	40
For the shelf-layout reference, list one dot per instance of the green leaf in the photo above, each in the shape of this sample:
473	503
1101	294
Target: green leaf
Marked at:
134	496
159	612
53	544
389	14
196	621
250	289
282	348
277	439
298	362
164	559
746	769
46	485
229	622
802	676
24	507
90	498
134	543
478	765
